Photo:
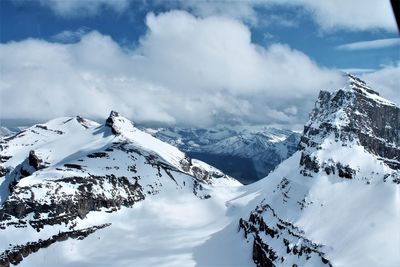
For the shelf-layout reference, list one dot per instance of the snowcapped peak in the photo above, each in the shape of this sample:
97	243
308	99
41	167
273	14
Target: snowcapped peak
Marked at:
348	120
118	123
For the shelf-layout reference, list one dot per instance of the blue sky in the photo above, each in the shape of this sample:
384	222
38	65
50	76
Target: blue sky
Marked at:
30	19
330	36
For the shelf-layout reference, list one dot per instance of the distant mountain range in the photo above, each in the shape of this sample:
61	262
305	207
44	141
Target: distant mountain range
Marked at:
7	131
247	153
77	193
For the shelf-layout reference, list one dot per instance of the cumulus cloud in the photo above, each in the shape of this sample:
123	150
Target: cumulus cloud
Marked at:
185	70
373	44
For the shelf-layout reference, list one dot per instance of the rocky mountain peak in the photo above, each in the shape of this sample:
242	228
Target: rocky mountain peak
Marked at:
352	116
118	123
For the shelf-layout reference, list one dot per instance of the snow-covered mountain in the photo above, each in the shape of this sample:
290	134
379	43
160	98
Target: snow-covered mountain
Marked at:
336	202
57	177
247	153
76	193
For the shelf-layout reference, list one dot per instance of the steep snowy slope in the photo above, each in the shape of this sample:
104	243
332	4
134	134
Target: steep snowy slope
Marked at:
336	202
66	179
248	153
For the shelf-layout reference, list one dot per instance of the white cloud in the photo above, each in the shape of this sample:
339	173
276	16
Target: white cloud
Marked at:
241	10
68	36
77	8
351	15
373	44
329	15
357	71
185	70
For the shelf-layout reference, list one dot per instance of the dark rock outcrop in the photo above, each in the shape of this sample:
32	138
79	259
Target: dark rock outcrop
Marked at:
84	122
277	231
112	122
35	161
61	207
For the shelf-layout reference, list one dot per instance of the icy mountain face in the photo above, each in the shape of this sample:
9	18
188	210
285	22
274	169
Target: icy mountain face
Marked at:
256	150
54	175
335	200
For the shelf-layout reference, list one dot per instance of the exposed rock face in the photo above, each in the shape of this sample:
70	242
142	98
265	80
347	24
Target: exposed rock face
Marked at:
355	114
65	208
35	161
112	122
282	234
199	172
84	122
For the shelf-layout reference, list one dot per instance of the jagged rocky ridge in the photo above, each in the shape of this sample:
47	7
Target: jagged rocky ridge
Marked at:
323	206
55	174
275	232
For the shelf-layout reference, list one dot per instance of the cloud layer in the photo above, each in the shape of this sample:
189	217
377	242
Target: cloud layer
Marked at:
78	8
373	44
185	70
353	15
